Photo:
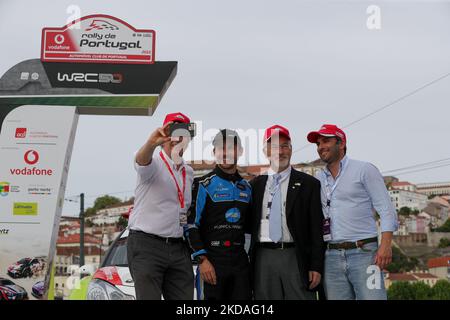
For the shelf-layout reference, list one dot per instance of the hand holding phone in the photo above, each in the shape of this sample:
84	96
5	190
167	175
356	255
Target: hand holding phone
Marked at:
177	129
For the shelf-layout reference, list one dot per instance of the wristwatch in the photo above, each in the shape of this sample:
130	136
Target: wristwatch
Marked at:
199	259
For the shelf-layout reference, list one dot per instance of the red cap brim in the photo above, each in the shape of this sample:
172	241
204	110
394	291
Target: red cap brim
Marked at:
314	135
281	134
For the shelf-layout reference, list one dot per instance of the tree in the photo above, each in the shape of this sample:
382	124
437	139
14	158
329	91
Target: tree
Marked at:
401	263
444	243
89	212
401	290
101	203
105	201
441	290
404	211
122	223
422	291
404	290
445	227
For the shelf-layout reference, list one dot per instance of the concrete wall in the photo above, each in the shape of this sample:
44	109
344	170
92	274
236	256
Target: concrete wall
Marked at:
441	272
411	239
435	237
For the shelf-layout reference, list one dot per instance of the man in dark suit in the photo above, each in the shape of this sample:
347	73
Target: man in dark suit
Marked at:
287	248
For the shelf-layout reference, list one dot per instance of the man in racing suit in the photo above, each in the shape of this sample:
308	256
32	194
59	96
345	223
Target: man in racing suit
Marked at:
215	229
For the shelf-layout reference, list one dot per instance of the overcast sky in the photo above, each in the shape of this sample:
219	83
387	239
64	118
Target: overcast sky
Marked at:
251	64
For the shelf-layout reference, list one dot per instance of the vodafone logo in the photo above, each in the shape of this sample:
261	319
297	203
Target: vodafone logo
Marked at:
59	39
31	157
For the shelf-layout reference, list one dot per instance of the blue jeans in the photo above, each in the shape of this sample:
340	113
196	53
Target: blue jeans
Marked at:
351	274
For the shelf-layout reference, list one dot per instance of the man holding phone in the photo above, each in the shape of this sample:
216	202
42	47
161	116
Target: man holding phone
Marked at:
158	257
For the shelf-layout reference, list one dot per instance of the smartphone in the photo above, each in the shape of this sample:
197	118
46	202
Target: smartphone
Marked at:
178	129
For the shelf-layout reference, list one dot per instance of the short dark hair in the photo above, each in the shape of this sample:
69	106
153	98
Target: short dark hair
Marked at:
225	135
339	141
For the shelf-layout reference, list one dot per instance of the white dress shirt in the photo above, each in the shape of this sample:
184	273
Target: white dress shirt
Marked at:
264	227
157	208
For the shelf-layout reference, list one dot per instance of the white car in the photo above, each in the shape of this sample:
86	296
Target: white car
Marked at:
113	281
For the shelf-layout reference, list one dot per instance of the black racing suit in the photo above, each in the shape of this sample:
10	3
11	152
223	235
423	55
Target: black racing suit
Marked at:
220	204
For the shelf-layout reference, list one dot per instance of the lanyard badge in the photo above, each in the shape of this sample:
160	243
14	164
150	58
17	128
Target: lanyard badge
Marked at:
183	172
326	224
326	228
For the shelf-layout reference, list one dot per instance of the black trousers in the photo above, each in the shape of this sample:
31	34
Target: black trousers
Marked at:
233	279
159	268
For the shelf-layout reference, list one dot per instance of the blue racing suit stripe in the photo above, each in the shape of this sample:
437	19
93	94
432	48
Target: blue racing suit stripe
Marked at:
200	204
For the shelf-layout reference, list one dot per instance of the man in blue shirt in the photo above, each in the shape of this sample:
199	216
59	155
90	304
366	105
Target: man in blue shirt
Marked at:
351	192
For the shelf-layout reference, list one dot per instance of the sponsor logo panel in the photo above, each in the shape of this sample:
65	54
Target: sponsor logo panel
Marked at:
6	188
25	209
31	157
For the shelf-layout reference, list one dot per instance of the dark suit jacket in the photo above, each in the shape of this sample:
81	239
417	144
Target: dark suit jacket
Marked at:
304	220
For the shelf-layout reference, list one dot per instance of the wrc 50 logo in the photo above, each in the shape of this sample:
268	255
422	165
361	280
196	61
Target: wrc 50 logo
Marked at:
90	77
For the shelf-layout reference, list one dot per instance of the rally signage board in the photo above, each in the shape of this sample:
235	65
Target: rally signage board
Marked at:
98	38
35	154
95	88
97	65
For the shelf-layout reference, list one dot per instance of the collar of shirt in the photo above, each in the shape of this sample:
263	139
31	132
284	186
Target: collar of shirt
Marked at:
171	163
226	176
284	174
341	165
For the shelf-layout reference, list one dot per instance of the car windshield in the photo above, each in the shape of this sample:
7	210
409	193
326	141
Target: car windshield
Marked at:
117	255
5	282
24	260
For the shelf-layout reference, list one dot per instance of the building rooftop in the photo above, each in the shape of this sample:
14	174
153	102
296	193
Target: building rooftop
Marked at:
425	275
439	262
118	205
75	239
433	185
401	277
75	251
401	184
441	201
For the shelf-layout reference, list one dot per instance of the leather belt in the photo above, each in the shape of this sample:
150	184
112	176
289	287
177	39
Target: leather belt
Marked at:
154	236
225	243
278	245
351	245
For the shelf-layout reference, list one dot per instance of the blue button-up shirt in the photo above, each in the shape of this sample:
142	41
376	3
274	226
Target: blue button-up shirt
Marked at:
359	191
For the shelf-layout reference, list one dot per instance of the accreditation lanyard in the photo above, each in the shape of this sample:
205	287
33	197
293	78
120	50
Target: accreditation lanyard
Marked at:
183	172
330	190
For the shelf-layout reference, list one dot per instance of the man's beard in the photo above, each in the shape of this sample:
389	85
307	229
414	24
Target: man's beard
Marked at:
333	155
280	163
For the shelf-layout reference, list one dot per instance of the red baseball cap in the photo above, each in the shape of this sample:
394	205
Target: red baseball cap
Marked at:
276	129
327	130
176	117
